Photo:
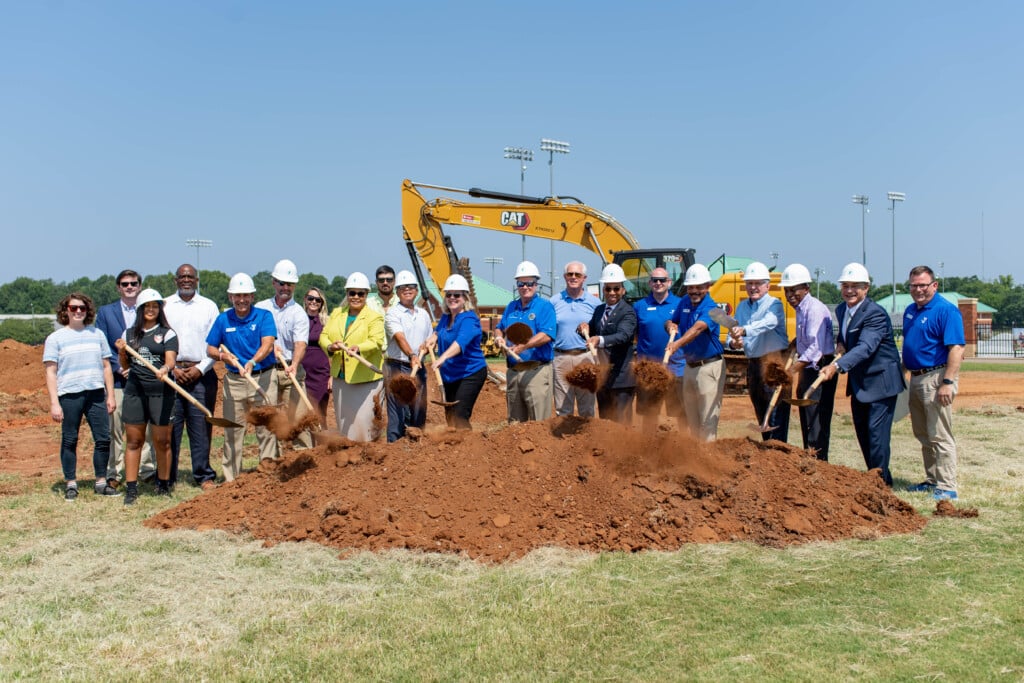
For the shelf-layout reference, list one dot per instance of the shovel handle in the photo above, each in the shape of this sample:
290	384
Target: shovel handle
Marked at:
668	354
817	382
166	378
362	360
247	376
437	374
298	385
508	350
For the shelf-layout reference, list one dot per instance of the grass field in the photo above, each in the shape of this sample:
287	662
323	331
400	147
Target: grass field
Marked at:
90	594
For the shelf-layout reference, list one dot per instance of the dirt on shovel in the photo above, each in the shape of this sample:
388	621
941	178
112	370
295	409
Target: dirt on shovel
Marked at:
774	369
277	422
403	387
654	378
588	376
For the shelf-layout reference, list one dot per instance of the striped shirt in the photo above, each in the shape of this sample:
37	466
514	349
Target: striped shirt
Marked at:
79	357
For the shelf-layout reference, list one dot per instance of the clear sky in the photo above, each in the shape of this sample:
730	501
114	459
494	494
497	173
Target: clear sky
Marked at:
284	129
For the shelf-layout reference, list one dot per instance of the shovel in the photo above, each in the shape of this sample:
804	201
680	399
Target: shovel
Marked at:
300	390
807	400
250	378
509	352
362	360
218	421
668	354
723	318
440	383
763	427
585	328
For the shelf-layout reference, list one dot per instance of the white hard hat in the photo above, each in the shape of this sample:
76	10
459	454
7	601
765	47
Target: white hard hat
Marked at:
357	280
527	269
241	284
854	272
456	283
285	271
147	295
697	274
405	277
795	274
756	271
612	273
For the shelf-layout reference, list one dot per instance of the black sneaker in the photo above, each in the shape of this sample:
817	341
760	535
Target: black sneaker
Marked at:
163	489
105	489
130	496
71	493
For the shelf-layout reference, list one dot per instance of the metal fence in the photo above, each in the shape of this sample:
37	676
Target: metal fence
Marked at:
1000	342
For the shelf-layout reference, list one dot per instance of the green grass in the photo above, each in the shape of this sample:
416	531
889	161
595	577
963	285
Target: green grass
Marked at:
88	593
997	366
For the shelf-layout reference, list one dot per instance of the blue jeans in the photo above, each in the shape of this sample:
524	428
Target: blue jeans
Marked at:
92	405
400	415
200	432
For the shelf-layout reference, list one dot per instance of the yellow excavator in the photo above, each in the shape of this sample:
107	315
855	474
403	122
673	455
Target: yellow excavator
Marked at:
564	219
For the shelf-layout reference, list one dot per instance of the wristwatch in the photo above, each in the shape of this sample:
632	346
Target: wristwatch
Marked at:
946	380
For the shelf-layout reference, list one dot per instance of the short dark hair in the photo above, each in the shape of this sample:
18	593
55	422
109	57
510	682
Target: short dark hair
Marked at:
384	270
919	270
129	272
62	308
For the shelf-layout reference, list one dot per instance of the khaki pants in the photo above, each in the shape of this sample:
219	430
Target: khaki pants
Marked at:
289	396
115	464
354	408
932	423
566	395
529	393
702	398
239	397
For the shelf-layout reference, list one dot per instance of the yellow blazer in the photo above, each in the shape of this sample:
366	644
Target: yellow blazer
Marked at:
366	332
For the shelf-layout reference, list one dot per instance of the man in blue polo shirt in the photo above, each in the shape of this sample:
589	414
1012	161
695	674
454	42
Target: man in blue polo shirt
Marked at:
652	313
573	305
248	334
704	381
529	379
933	347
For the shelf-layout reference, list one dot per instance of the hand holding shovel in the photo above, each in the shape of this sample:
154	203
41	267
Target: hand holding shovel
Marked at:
440	382
298	386
241	371
763	427
668	346
359	357
807	400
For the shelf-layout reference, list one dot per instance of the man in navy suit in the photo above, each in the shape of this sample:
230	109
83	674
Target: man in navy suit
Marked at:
610	332
113	319
872	362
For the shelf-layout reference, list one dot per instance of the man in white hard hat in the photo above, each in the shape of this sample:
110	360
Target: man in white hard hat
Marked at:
248	334
815	348
112	320
872	364
652	312
191	316
761	334
933	347
704	380
407	327
292	338
573	305
610	332
529	379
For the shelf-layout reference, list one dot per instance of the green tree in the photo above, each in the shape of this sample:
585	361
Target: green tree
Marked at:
336	291
32	332
26	295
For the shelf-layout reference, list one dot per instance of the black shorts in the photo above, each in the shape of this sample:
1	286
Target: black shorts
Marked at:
139	408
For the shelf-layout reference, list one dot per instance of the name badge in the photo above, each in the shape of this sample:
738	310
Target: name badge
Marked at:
229	329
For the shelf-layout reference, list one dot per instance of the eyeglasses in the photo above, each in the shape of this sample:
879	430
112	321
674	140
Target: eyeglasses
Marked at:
74	308
385	279
574	275
314	299
520	285
128	283
924	286
356	292
659	279
284	284
612	288
453	295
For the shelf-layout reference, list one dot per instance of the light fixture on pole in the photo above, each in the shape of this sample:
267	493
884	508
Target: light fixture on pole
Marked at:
522	155
894	197
198	244
818	272
494	260
774	255
862	199
551	147
942	274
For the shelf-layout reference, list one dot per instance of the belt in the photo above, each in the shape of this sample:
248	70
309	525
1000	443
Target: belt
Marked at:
185	364
925	371
396	361
571	352
258	372
703	361
527	365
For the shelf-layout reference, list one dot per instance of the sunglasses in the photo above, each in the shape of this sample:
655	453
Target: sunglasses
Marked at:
284	284
74	308
385	279
520	285
314	299
613	288
128	283
453	295
574	275
659	279
356	292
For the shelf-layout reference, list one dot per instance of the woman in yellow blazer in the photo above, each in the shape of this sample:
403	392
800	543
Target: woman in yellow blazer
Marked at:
357	389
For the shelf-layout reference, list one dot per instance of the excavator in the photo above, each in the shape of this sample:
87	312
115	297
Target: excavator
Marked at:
564	219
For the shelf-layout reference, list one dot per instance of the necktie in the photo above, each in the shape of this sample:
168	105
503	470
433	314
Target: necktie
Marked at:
846	325
607	314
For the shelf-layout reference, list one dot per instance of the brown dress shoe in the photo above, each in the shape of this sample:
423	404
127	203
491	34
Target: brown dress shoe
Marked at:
208	485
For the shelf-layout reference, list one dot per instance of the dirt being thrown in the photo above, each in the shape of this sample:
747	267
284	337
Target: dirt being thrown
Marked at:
775	370
277	421
403	387
652	377
588	376
568	482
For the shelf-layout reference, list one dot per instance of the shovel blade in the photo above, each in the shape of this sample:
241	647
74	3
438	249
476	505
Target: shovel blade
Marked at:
222	422
800	402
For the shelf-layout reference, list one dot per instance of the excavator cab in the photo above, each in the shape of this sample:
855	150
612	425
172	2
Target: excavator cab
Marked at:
638	264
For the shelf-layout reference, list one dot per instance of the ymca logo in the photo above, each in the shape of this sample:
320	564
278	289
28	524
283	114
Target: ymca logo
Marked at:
517	220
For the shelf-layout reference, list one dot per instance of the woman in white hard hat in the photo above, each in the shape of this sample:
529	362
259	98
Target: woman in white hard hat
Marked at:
461	360
315	362
80	384
355	330
148	400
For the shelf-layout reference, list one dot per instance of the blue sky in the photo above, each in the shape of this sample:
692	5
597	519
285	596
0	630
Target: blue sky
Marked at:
285	129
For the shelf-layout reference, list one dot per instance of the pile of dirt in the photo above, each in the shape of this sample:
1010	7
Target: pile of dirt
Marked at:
567	482
21	367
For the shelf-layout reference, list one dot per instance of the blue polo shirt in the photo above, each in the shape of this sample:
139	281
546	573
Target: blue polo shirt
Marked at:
928	331
651	337
243	336
569	313
466	332
707	344
539	314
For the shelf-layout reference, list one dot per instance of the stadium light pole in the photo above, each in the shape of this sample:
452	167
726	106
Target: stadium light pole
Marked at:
494	260
862	199
775	259
818	272
198	244
522	155
894	197
552	147
942	274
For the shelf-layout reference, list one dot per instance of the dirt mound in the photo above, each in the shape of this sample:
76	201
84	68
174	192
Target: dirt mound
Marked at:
568	482
945	508
21	367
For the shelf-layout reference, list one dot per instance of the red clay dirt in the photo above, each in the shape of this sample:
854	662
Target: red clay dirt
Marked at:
496	493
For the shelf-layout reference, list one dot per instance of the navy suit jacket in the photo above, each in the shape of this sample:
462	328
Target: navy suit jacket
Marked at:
618	335
871	361
110	321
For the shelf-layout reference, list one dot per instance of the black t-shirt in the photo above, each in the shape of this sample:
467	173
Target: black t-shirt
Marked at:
155	342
